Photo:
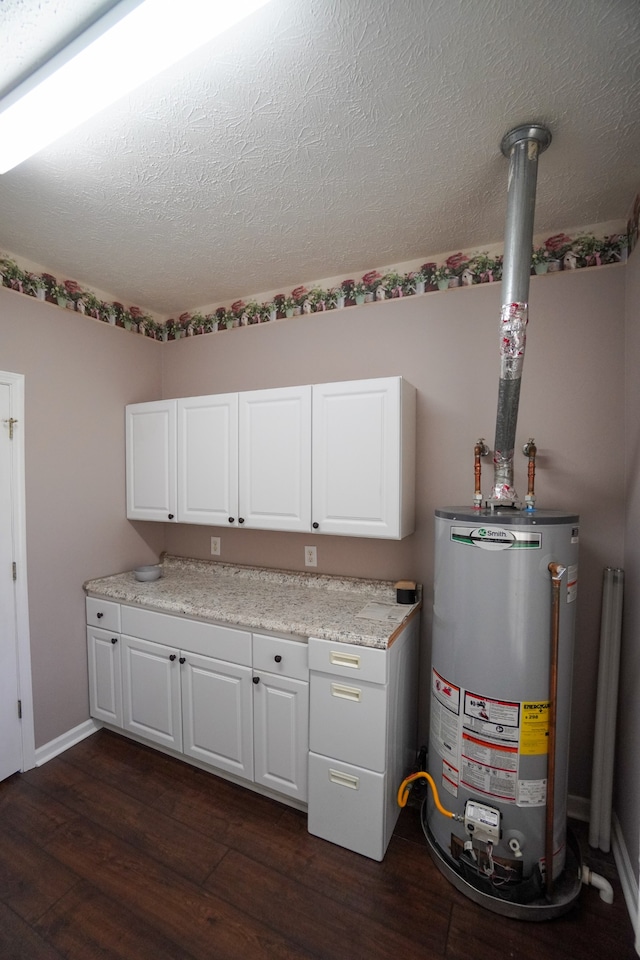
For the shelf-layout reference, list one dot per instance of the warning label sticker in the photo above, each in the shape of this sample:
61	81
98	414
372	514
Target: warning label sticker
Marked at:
481	741
489	767
532	793
450	778
534	736
491	718
445	720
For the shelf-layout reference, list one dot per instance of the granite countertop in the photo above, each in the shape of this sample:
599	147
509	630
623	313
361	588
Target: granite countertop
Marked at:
280	601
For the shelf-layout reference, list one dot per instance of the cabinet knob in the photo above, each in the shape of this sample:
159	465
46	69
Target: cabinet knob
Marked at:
277	658
170	516
256	679
315	525
232	519
99	616
182	660
114	639
240	519
172	656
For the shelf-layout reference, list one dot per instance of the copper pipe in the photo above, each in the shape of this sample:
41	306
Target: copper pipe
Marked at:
557	572
480	450
530	450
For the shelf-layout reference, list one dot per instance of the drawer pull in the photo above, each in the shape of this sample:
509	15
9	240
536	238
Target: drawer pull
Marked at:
344	659
344	779
346	693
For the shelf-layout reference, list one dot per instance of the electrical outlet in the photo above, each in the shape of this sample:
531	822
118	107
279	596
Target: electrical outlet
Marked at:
215	546
310	557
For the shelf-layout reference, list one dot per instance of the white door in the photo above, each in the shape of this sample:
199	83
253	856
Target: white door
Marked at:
275	459
151	691
217	713
208	459
10	734
17	751
281	733
151	460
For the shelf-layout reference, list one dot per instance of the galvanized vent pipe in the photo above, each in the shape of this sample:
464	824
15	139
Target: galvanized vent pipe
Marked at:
522	146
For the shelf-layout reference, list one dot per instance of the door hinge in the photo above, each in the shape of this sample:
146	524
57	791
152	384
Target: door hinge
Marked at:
11	422
14	570
19	709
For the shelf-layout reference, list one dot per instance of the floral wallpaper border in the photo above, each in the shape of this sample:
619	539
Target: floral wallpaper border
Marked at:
559	252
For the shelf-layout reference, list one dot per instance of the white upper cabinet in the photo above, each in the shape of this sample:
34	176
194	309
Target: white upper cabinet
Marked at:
275	459
151	460
208	459
336	458
364	458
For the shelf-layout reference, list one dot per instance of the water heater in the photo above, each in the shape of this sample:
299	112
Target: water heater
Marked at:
505	587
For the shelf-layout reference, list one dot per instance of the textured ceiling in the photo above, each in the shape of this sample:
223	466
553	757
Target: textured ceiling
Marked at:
323	138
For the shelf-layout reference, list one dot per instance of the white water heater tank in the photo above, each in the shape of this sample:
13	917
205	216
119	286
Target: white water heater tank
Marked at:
490	690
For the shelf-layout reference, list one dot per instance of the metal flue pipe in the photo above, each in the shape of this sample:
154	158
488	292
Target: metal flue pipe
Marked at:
522	146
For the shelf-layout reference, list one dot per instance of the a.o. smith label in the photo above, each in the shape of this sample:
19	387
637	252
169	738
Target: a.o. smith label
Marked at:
496	538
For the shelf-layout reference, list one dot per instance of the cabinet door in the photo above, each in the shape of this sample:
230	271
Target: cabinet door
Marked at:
105	682
208	459
218	713
364	458
281	734
151	691
151	460
275	459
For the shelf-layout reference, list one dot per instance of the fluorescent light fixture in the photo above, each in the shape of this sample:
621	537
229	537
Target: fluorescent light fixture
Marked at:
134	41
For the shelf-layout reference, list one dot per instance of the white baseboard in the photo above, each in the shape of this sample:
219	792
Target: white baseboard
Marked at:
627	877
55	747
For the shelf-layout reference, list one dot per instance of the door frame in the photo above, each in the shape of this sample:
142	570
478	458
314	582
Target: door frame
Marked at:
16	384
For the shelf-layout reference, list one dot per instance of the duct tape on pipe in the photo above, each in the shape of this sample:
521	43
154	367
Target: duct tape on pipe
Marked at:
513	337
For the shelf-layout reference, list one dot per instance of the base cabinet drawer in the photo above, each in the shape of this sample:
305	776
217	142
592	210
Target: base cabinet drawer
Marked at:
103	613
348	720
347	806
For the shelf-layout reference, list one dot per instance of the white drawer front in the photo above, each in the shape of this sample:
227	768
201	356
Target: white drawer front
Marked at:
207	639
285	658
103	613
347	806
348	721
348	660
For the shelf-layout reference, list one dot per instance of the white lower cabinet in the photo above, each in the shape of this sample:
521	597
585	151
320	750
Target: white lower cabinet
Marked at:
326	725
362	735
238	712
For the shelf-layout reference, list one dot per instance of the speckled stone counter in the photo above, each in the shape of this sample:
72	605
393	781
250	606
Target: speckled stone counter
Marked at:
279	601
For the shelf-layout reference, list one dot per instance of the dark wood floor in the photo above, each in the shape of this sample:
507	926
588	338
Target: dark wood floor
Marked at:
114	851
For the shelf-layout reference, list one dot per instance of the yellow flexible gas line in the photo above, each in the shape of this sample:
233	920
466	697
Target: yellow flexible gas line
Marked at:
403	792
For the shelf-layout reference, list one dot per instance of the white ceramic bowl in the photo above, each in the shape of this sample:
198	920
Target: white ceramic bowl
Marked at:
149	572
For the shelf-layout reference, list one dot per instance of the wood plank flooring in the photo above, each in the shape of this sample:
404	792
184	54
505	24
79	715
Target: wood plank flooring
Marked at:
115	852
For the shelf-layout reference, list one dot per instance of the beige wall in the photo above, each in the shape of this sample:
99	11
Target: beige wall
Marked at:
446	344
627	768
79	373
